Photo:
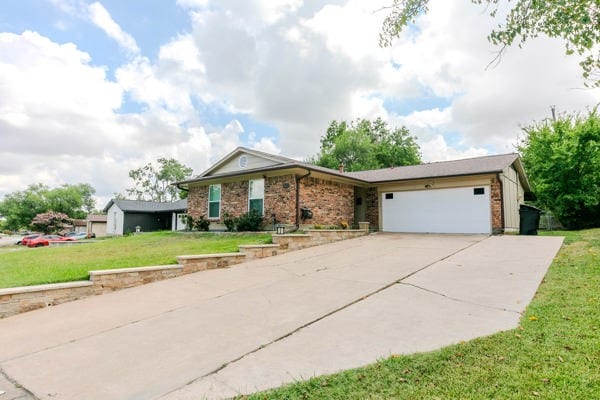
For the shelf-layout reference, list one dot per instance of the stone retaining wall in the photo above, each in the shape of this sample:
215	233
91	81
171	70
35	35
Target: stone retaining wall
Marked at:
203	262
109	280
22	299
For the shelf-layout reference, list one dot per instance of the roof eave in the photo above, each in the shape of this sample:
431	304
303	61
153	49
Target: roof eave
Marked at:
268	169
518	163
435	177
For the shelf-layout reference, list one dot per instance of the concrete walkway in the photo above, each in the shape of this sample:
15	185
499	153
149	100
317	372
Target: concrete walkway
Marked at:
258	325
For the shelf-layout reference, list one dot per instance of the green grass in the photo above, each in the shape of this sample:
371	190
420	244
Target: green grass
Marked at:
554	354
21	266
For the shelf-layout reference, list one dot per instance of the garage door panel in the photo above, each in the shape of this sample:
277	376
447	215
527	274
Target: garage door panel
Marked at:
456	210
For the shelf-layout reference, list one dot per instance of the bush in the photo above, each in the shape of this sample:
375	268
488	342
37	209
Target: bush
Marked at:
249	222
189	222
202	223
229	222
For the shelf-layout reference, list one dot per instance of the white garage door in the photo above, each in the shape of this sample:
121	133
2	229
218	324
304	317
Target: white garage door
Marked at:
457	210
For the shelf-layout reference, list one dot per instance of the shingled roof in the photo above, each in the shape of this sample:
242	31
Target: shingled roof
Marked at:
148	206
469	166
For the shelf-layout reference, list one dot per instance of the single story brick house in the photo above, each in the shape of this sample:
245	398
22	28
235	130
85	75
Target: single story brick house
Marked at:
125	216
476	195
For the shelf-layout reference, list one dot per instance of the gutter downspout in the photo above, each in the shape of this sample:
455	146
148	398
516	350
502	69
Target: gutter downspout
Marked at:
180	188
298	179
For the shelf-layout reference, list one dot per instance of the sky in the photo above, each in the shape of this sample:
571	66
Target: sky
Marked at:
90	90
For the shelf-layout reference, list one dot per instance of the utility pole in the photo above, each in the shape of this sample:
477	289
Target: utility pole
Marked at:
553	110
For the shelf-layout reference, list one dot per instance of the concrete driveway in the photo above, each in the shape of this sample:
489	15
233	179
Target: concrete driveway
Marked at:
257	325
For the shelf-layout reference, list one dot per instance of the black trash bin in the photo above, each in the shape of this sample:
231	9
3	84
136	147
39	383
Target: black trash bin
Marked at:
529	220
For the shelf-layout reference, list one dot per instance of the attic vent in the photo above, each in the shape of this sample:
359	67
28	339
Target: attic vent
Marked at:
243	161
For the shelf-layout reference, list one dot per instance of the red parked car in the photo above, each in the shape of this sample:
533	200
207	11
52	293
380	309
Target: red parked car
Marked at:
27	238
46	240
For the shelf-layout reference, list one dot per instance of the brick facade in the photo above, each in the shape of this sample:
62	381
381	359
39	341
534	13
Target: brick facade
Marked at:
198	201
234	198
330	202
372	208
496	197
280	198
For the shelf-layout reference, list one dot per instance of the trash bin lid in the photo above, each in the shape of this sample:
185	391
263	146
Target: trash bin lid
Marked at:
527	207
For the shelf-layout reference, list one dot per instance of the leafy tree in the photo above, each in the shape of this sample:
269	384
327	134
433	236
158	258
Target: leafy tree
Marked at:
50	222
365	144
19	208
575	21
562	159
74	200
155	183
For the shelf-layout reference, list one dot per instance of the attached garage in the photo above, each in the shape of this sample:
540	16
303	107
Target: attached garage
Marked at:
452	210
476	195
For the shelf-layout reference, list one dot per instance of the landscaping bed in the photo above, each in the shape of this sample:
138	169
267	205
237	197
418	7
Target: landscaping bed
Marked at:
554	354
23	266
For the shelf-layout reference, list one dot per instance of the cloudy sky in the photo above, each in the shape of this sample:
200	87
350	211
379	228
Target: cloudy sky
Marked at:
90	90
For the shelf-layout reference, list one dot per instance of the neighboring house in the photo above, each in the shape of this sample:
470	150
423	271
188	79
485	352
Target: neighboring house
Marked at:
96	225
79	225
476	195
127	216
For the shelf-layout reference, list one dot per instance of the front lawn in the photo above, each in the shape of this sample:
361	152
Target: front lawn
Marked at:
21	266
554	354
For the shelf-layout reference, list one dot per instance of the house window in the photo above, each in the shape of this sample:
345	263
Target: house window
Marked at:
389	196
214	201
256	195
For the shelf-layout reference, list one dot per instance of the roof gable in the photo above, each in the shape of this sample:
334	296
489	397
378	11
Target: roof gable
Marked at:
242	159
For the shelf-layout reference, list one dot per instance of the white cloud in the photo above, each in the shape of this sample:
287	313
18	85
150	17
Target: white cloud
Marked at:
267	145
102	19
67	129
289	64
351	28
436	149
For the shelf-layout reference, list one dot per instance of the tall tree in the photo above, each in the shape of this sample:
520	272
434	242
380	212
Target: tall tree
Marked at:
562	159
577	22
154	183
19	208
74	200
364	144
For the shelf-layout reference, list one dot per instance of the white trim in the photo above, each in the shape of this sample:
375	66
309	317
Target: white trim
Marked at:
257	198
220	201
